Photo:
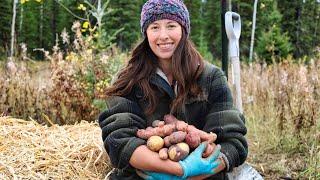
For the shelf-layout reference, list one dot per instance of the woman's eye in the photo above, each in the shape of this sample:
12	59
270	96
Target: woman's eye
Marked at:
172	26
154	27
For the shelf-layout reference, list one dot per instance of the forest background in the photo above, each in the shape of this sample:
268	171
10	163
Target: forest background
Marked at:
66	50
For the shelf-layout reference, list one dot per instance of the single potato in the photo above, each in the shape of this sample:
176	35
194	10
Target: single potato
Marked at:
155	143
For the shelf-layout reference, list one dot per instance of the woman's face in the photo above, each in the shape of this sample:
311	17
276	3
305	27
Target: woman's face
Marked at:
163	37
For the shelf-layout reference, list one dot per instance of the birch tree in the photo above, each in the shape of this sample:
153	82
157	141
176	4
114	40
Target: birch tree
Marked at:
253	29
13	25
10	65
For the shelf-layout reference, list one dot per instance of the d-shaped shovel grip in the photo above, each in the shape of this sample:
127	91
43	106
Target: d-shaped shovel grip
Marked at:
233	30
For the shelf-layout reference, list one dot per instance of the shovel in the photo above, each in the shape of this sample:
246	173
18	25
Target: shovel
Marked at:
233	30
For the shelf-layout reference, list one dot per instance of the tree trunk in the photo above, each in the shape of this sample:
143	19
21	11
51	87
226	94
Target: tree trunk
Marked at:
316	17
21	18
297	53
54	12
41	25
13	25
253	30
40	42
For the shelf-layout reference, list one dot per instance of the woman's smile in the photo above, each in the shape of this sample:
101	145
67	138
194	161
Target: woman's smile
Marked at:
166	46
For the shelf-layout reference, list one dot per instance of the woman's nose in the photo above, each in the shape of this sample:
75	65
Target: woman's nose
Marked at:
163	34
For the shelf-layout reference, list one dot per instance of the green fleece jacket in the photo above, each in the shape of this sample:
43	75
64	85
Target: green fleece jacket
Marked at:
211	112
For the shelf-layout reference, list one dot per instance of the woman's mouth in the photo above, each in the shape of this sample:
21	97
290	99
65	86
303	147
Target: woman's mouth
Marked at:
165	46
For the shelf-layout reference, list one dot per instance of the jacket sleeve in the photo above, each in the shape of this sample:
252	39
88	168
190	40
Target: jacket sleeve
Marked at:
119	124
226	121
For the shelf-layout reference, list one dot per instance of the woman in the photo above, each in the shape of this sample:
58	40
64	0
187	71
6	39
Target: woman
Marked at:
167	75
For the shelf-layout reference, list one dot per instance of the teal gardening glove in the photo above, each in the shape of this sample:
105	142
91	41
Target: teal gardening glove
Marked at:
195	165
148	175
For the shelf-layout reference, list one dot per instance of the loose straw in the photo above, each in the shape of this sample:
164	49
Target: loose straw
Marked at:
29	150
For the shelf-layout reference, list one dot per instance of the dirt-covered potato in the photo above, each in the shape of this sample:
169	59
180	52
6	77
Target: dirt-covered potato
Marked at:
162	131
158	123
155	143
181	126
193	139
178	151
177	137
163	153
167	141
170	119
209	150
204	136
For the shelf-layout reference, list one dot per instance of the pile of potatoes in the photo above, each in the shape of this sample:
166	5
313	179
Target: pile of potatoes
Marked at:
174	139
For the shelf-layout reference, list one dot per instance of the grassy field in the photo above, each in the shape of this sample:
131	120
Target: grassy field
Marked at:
281	106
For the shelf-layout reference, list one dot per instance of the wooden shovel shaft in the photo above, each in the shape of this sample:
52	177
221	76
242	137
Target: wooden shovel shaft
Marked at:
236	82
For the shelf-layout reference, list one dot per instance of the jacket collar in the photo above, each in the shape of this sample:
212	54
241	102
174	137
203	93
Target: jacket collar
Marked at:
162	83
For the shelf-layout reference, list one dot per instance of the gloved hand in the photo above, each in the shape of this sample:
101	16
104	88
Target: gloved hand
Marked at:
195	165
148	175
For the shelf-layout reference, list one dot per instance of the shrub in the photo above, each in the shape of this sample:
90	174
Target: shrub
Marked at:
74	90
273	45
79	80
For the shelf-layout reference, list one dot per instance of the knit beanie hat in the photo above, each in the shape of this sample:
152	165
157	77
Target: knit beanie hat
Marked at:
154	10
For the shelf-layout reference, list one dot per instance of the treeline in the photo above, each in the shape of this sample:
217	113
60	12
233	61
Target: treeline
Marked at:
282	27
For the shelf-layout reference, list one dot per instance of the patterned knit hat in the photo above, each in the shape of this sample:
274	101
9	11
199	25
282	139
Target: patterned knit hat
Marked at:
154	10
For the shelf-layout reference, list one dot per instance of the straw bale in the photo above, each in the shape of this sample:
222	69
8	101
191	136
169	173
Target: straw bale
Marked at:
29	150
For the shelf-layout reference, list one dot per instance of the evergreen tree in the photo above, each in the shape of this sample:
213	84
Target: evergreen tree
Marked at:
126	14
203	26
54	8
301	21
196	23
5	25
30	28
43	21
212	21
272	42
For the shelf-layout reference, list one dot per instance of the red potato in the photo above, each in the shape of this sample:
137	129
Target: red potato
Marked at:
163	153
149	128
193	139
158	123
167	141
157	131
178	151
177	137
170	119
168	129
210	137
204	136
181	126
144	133
210	148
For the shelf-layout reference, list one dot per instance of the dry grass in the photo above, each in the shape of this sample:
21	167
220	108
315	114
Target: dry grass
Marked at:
29	150
281	103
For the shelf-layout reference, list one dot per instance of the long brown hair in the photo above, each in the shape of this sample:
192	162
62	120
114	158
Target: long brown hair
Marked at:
186	62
